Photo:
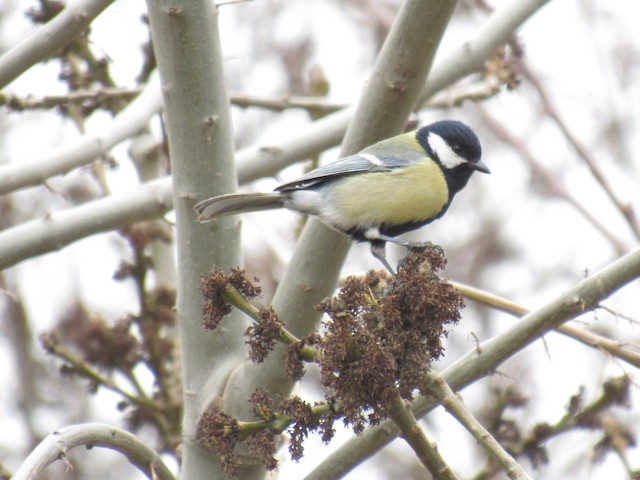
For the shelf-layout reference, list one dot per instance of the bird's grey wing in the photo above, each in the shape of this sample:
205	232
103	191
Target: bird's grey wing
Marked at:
345	166
380	157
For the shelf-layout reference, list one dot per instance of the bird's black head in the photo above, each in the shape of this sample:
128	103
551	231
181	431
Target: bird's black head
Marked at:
456	148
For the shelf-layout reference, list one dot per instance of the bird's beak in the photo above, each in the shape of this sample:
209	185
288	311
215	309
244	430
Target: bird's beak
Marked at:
479	166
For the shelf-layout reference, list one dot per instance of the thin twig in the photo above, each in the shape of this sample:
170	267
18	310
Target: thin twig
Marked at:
456	407
617	314
318	105
281	422
414	435
99	96
595	415
612	347
455	96
85	370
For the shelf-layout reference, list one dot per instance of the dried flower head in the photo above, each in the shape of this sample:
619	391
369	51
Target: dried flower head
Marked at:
380	341
219	432
108	346
262	336
214	287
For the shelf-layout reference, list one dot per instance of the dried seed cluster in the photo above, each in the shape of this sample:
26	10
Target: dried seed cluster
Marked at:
381	339
213	288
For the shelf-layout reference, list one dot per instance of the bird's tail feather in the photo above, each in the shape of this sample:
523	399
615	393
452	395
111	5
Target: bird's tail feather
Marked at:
236	203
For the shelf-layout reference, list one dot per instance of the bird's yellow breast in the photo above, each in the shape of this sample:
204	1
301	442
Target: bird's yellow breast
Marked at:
408	195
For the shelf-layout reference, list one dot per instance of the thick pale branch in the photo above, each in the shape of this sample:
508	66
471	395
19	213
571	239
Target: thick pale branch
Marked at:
187	47
49	38
87	148
57	445
58	230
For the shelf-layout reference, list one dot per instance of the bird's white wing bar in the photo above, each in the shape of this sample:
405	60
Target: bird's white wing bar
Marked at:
375	161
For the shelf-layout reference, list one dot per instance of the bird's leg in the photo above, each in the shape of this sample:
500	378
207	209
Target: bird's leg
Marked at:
378	241
402	243
378	251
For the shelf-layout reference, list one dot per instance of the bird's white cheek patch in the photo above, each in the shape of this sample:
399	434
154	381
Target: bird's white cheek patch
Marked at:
448	158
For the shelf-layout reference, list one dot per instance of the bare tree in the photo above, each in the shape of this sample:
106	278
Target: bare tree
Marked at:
205	371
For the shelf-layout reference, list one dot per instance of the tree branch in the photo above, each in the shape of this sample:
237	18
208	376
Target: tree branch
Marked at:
98	96
187	47
57	445
87	148
86	370
57	230
590	339
456	407
49	38
414	435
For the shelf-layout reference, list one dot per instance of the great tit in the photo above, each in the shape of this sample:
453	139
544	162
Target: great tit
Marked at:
387	189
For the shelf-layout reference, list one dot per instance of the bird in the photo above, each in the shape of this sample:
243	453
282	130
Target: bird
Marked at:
391	187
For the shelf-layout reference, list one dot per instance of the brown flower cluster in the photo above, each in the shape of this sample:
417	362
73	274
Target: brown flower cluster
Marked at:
107	346
294	358
381	338
214	287
221	432
262	336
